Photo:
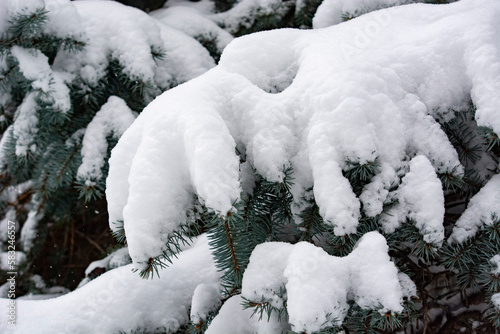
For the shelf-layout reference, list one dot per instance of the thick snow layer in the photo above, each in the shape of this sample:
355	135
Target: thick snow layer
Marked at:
195	24
128	36
483	210
184	58
105	304
112	119
318	286
332	12
9	7
367	90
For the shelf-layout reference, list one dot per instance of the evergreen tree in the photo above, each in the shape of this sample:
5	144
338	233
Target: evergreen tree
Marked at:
356	199
72	80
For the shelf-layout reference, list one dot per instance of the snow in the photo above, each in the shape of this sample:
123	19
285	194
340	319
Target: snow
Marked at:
19	258
184	58
495	299
25	126
116	259
112	119
103	305
480	212
495	261
29	230
409	288
194	23
421	199
34	66
318	286
332	12
10	215
63	19
292	97
128	36
244	14
206	299
233	319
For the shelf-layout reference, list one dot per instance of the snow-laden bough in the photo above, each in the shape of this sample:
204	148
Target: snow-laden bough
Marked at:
317	101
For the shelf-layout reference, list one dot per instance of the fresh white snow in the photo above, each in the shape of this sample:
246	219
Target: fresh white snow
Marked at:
105	305
112	119
480	212
318	286
365	91
296	97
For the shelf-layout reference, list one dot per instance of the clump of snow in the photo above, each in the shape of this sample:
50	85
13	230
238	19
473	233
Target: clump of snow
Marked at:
206	299
25	126
409	288
104	304
335	104
112	119
29	230
116	259
332	12
483	210
495	261
318	286
184	58
127	36
195	24
34	66
420	199
244	14
495	299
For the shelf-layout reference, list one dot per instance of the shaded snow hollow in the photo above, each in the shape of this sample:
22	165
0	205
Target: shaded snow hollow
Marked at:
365	90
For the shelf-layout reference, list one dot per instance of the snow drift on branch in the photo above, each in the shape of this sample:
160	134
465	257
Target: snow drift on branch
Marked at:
366	91
103	305
318	286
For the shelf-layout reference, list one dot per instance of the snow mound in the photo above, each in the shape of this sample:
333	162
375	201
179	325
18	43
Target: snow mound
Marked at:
318	286
103	305
129	36
320	102
480	212
112	119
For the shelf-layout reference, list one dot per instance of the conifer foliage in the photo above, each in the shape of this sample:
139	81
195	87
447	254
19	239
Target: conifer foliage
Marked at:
343	180
319	160
72	80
